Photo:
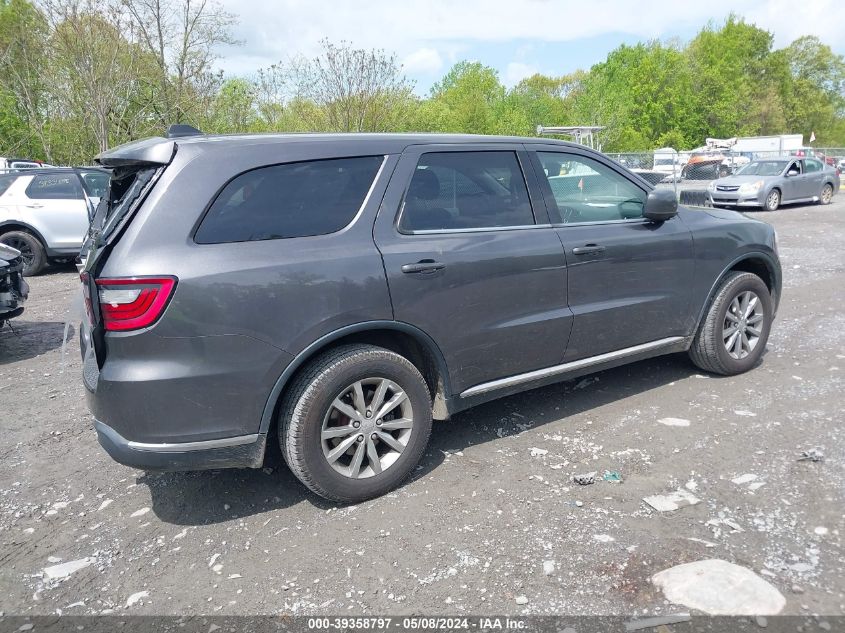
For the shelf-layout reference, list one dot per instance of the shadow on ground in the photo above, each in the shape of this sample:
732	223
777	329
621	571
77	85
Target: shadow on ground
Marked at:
21	340
200	498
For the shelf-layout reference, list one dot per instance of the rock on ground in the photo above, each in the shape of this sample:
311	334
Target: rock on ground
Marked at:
718	587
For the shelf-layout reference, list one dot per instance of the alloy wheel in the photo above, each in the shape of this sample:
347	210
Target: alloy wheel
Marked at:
366	428
827	194
26	250
743	325
773	200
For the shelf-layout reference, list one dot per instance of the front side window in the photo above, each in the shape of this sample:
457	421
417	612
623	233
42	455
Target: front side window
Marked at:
466	190
292	200
585	190
54	187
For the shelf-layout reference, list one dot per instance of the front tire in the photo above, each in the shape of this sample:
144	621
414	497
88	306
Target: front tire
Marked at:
772	200
34	256
733	335
355	423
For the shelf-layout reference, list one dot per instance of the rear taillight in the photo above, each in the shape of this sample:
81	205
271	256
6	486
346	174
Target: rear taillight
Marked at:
133	303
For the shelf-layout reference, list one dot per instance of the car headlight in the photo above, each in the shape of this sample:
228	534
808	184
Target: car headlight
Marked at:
712	186
750	188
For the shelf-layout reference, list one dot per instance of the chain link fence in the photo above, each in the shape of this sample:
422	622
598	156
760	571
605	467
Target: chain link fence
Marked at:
695	175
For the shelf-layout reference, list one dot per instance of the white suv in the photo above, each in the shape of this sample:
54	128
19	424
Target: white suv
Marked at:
45	213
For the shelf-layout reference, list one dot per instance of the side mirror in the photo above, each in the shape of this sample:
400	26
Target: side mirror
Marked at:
793	172
661	205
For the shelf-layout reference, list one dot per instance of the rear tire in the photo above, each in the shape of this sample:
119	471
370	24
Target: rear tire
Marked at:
716	349
34	256
321	407
772	201
826	195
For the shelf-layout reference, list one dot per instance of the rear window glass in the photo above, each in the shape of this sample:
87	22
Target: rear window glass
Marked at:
125	187
290	200
54	187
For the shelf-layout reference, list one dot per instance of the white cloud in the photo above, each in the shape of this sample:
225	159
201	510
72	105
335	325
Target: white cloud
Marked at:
423	60
274	30
517	71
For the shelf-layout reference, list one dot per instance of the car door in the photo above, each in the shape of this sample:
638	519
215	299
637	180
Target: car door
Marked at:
56	205
630	279
792	185
469	262
813	178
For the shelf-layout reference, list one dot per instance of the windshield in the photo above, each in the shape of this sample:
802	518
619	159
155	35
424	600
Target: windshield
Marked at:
763	168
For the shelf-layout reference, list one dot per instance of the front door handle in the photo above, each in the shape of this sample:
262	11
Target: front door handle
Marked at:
588	249
423	266
35	206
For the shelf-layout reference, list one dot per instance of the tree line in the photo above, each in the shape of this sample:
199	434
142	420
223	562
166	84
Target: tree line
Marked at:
79	76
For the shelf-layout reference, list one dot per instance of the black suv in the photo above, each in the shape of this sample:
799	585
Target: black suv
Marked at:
337	292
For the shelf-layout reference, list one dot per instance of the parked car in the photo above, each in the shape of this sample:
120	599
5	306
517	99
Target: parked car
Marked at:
335	293
772	182
13	289
12	164
45	213
709	164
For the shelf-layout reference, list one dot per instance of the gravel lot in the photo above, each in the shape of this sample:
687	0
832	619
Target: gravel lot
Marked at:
491	503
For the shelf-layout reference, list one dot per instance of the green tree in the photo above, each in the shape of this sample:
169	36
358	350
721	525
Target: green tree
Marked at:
23	42
233	109
729	66
465	100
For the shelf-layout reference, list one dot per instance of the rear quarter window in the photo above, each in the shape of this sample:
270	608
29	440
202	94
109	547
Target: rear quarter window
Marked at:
291	200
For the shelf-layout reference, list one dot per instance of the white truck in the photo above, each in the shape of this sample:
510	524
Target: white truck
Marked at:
782	144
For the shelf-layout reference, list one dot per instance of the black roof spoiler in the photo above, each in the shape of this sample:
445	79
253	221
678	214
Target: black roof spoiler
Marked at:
178	130
149	151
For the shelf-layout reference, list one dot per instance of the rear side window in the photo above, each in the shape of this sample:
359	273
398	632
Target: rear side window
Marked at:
291	200
54	187
96	183
466	190
812	165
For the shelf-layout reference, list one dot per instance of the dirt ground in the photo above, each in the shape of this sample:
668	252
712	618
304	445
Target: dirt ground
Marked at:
491	522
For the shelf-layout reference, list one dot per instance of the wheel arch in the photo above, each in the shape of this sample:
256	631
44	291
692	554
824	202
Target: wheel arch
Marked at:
757	263
402	338
16	225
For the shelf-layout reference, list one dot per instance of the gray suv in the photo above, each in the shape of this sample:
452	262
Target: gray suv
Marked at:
335	293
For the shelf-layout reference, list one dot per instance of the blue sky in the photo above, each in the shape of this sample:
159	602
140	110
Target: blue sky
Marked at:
517	37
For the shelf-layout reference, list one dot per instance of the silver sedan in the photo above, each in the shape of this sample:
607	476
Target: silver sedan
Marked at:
768	183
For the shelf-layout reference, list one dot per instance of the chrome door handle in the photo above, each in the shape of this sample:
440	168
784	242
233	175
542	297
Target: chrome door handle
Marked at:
588	249
424	266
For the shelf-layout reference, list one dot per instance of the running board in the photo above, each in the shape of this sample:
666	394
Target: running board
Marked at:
574	365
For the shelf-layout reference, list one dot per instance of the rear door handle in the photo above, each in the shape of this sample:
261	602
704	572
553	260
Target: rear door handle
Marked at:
423	266
588	249
35	206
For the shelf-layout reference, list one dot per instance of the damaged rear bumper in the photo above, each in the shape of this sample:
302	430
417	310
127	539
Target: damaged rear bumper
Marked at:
245	451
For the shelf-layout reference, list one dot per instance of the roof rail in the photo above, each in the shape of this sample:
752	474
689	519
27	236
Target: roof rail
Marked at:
178	130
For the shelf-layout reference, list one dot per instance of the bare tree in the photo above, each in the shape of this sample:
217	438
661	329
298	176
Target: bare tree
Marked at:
96	73
355	89
182	36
